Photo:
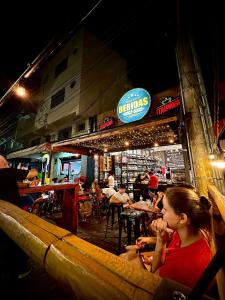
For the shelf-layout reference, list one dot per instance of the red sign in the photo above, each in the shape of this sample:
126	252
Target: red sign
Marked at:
107	123
168	104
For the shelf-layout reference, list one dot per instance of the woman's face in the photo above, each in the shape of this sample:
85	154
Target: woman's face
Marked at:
169	215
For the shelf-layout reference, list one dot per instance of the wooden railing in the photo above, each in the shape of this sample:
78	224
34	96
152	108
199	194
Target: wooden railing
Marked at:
87	271
218	225
84	270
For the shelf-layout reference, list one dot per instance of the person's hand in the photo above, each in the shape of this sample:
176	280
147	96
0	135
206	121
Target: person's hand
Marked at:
159	226
146	259
142	241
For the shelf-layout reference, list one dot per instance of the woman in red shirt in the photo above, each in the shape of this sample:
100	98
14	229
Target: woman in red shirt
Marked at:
184	253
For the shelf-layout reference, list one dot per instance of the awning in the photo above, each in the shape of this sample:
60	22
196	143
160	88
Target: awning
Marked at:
128	136
46	147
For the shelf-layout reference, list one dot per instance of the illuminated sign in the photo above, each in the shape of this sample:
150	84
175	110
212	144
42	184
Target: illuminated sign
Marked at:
109	121
168	104
134	105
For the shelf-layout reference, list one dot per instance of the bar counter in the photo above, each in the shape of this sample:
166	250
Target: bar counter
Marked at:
69	205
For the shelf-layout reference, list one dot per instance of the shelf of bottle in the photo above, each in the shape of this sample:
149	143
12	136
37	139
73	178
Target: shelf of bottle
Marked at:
138	157
125	163
133	170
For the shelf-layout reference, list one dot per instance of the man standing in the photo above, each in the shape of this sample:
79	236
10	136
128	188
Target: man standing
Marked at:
153	183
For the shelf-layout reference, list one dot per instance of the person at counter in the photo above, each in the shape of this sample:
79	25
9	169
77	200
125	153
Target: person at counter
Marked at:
110	180
153	183
137	186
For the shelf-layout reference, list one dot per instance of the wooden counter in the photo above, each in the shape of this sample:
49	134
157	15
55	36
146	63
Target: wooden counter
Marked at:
69	205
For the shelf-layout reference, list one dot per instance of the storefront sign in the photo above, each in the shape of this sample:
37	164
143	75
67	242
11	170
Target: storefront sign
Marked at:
168	104
134	105
109	121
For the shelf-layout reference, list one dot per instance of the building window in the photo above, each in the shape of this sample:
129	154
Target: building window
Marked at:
61	67
75	51
58	98
35	142
81	127
65	134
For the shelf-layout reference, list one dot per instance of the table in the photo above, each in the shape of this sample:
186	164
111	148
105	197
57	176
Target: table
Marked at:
69	205
142	206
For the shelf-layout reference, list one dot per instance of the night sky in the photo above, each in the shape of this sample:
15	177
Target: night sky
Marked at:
144	32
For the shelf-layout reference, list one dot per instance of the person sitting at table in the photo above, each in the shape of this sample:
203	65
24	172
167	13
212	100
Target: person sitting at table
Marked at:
108	192
65	179
11	254
182	250
137	188
83	183
121	196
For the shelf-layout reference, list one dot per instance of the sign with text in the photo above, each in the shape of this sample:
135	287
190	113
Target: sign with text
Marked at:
134	105
168	104
108	122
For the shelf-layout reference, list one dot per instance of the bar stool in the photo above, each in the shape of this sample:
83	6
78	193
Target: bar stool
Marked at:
111	212
97	204
84	212
132	218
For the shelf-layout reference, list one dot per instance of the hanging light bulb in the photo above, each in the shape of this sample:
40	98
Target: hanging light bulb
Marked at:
211	156
126	143
156	144
96	156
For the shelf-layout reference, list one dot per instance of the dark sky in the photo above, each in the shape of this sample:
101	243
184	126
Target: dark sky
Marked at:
144	32
26	28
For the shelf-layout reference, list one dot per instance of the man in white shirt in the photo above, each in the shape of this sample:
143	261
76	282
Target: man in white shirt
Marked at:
120	196
108	192
111	180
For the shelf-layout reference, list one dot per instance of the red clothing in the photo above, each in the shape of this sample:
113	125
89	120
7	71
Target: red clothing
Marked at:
185	264
153	182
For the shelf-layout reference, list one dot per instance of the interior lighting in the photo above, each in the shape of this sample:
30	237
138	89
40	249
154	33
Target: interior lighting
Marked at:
211	156
220	164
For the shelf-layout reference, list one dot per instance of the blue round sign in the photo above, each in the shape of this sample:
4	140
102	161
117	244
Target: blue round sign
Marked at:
134	105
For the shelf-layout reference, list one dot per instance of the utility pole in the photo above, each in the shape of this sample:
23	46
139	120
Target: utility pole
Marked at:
193	108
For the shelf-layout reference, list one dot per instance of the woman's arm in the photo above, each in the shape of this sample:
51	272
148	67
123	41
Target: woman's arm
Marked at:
160	227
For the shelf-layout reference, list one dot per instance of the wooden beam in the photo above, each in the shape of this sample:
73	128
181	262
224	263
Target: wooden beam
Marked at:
86	271
218	209
71	149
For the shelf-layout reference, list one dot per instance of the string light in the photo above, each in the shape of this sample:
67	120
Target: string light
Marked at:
156	144
211	156
96	156
137	137
171	141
